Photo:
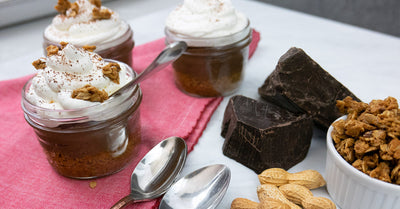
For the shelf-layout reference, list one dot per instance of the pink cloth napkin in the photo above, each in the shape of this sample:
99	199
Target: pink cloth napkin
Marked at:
28	181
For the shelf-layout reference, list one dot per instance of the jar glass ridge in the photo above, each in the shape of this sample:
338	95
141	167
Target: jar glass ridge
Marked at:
118	49
211	67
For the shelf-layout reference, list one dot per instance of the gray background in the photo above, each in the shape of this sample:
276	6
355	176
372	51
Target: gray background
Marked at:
378	15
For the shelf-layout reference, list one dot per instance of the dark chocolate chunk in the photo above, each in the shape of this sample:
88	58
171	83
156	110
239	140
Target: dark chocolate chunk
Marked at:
299	84
262	135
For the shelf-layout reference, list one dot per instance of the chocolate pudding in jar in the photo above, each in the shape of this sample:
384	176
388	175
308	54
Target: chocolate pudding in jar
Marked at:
83	133
87	22
218	39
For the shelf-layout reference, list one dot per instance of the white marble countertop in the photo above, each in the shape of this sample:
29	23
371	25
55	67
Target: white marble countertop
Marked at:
367	62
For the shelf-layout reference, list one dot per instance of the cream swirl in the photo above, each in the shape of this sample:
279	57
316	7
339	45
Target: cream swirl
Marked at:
82	29
71	68
206	19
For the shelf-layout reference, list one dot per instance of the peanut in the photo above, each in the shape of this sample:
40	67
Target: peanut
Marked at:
270	203
267	191
277	176
301	195
243	203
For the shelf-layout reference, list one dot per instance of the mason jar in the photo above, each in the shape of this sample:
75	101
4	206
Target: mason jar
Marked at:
88	142
119	49
211	67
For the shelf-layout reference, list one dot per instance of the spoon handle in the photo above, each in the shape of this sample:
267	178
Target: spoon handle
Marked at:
166	57
123	202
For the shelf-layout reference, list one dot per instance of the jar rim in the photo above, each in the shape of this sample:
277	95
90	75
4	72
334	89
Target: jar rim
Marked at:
69	115
219	41
99	47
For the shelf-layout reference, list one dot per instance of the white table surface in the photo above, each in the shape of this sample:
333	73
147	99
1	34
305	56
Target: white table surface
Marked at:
367	62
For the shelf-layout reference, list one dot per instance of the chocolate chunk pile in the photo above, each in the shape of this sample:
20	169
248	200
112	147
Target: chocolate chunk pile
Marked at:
277	132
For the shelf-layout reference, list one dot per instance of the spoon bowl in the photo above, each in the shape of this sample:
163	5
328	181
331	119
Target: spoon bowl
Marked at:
203	188
155	173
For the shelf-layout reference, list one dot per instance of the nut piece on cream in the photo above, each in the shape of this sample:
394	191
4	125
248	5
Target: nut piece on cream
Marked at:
69	69
90	93
85	22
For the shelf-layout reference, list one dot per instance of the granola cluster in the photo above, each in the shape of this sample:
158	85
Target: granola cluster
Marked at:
74	10
96	3
112	72
90	93
93	94
52	50
39	64
369	137
89	48
101	14
69	9
62	6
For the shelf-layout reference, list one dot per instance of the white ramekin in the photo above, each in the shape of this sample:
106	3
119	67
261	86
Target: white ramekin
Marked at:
351	188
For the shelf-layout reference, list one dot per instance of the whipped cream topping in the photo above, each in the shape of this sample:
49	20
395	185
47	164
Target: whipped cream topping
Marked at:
71	68
82	29
206	19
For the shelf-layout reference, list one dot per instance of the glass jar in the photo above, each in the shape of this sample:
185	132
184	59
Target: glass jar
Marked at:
211	67
88	142
119	49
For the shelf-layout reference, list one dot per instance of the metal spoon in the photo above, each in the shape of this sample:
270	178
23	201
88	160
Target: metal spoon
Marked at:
167	56
156	171
203	188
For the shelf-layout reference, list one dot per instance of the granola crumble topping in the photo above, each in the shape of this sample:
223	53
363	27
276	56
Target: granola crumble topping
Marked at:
69	9
39	64
90	93
92	184
62	6
101	14
112	71
89	48
97	3
52	50
63	44
74	10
